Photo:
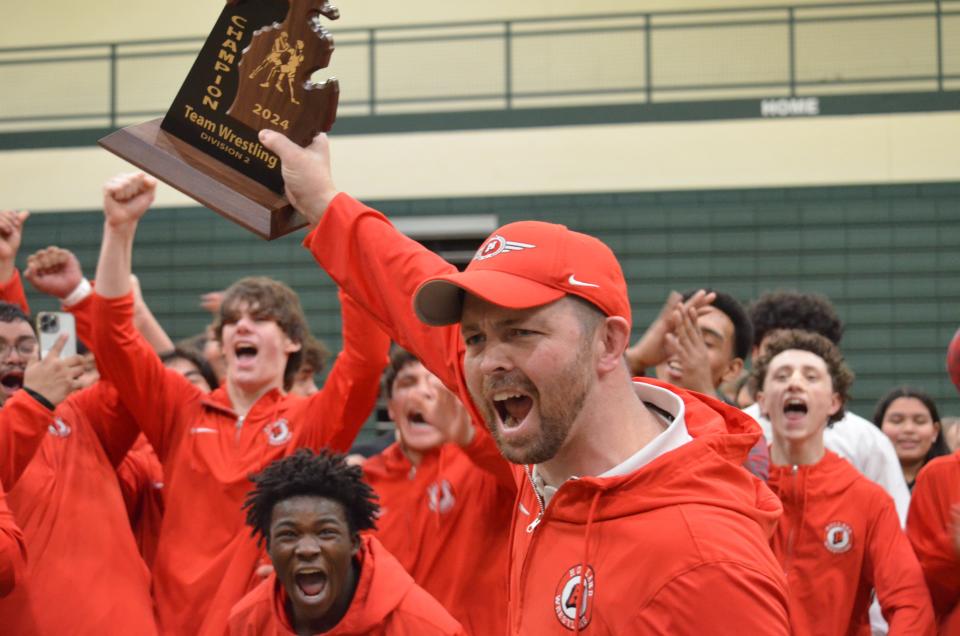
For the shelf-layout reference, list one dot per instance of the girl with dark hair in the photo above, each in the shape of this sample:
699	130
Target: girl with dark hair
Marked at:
910	419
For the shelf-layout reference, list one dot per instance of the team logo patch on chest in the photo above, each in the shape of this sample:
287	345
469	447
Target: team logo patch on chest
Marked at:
440	497
839	537
59	428
573	600
278	433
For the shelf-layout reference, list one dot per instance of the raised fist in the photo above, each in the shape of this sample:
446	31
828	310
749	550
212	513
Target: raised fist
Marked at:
53	271
11	232
127	197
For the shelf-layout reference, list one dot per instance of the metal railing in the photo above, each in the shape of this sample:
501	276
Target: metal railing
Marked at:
771	51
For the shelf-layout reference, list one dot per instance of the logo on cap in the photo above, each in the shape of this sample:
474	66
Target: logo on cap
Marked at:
496	244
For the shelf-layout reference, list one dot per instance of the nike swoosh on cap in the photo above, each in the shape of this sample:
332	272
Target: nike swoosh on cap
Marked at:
574	281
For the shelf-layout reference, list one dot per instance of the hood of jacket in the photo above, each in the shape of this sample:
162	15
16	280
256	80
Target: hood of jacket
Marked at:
705	471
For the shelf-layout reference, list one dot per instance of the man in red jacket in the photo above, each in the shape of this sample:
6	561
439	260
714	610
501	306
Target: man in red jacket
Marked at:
210	443
446	496
632	513
933	527
58	469
310	510
839	538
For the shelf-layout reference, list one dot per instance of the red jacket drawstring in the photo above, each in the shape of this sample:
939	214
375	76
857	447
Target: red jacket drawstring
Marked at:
583	562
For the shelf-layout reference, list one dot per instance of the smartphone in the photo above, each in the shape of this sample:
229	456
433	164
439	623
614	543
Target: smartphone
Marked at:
51	325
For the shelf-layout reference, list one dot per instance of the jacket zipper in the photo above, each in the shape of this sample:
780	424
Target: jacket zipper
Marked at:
239	427
542	507
793	526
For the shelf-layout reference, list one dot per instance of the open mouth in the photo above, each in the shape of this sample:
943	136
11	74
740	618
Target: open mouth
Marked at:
12	380
512	407
311	583
245	352
416	418
795	407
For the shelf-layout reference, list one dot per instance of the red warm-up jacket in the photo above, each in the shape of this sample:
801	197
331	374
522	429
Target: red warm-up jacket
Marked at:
838	540
84	574
930	529
13	552
141	481
445	520
206	559
386	602
11	291
679	545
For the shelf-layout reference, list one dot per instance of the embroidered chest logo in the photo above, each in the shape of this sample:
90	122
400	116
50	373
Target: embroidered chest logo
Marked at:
574	598
278	433
839	537
59	428
440	496
496	244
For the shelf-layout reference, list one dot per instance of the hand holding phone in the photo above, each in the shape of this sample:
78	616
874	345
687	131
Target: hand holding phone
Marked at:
51	325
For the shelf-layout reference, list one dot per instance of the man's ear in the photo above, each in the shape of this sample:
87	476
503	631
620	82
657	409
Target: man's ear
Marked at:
835	403
733	370
355	544
613	338
290	347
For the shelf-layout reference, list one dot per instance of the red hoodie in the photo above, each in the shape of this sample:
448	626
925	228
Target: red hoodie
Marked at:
13	553
838	539
84	575
677	546
929	527
206	559
445	521
386	603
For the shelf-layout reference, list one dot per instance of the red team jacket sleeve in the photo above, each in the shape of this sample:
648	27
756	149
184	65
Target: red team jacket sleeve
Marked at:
731	589
350	392
928	527
381	269
484	454
151	392
13	553
897	577
23	427
11	291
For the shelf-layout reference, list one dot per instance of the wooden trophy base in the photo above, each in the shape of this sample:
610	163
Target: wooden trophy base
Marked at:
218	187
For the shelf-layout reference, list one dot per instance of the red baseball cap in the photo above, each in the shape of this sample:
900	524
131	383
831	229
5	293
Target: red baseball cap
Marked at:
529	264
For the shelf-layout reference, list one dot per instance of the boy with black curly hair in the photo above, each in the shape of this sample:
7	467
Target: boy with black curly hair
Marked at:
309	509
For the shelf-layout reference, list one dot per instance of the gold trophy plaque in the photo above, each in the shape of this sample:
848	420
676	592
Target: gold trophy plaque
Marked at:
253	72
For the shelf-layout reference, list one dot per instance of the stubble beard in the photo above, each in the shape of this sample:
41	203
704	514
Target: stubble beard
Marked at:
558	407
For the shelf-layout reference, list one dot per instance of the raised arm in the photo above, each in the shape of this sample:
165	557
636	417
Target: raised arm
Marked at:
350	392
147	389
11	235
146	323
368	258
56	272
